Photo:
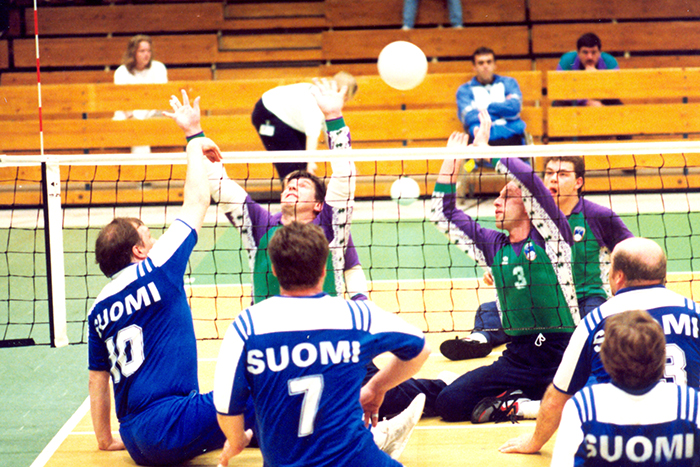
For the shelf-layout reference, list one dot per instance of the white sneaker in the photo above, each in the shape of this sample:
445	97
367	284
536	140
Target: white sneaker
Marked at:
392	435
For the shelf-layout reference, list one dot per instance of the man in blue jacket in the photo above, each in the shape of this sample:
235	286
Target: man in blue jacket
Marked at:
499	95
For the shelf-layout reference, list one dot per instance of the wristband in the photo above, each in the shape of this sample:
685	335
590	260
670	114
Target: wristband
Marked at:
198	135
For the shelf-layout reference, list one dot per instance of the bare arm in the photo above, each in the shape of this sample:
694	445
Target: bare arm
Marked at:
394	373
237	437
548	419
197	196
100	410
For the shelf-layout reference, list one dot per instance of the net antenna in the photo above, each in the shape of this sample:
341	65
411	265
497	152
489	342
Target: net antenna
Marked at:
38	79
53	229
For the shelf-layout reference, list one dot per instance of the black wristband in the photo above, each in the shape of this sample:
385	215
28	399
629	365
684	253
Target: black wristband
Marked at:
198	135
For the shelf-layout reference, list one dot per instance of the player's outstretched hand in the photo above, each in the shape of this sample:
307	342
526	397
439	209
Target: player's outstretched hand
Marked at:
229	452
458	140
185	115
520	445
329	97
483	131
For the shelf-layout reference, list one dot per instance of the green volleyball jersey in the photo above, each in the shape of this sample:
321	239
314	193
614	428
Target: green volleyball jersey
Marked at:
265	284
528	291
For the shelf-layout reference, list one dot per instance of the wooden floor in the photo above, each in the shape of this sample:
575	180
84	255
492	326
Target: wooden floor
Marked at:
433	443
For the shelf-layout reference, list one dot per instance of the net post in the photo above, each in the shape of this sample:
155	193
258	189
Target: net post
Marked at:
53	239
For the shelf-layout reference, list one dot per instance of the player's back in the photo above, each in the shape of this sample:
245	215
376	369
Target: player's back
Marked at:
141	327
658	427
304	359
678	317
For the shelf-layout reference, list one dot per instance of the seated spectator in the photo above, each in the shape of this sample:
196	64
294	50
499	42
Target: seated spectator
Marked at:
587	57
635	419
410	11
138	67
499	95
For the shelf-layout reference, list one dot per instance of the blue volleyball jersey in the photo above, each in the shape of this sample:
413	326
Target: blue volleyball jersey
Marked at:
678	317
303	359
142	319
605	425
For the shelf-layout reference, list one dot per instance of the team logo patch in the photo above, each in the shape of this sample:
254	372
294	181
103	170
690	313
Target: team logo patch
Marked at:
579	233
504	261
530	252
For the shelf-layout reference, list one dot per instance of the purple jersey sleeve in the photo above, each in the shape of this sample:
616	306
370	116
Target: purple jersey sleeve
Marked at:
479	243
607	226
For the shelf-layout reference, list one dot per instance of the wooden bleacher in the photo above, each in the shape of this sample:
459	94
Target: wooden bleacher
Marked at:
672	119
207	44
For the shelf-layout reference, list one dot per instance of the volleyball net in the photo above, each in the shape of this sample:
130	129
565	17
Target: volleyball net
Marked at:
54	207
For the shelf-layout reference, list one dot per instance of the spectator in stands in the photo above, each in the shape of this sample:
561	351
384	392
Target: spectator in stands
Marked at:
287	118
410	11
587	57
138	67
635	419
499	95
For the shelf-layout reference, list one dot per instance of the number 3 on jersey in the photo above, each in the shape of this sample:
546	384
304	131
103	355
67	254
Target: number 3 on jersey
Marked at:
312	388
520	280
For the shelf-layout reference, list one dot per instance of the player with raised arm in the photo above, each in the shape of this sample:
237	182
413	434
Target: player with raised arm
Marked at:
302	357
637	278
596	230
141	333
531	265
304	198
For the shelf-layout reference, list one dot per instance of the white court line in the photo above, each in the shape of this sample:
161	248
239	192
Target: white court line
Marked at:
62	434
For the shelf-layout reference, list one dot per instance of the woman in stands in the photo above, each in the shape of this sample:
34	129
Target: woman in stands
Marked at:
138	67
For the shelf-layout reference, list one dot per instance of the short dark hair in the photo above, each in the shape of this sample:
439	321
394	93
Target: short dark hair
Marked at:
114	244
578	162
588	40
634	349
298	252
638	268
483	51
320	188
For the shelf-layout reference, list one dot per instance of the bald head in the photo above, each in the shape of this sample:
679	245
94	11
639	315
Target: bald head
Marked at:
637	261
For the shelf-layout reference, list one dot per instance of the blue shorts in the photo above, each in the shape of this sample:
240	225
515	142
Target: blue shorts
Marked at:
172	430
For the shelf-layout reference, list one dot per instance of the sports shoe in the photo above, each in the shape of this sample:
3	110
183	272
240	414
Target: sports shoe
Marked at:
501	408
392	435
464	349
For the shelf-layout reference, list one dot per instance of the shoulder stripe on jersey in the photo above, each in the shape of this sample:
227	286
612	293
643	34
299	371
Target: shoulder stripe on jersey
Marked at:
352	314
360	315
364	308
579	404
243	325
593	319
590	404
